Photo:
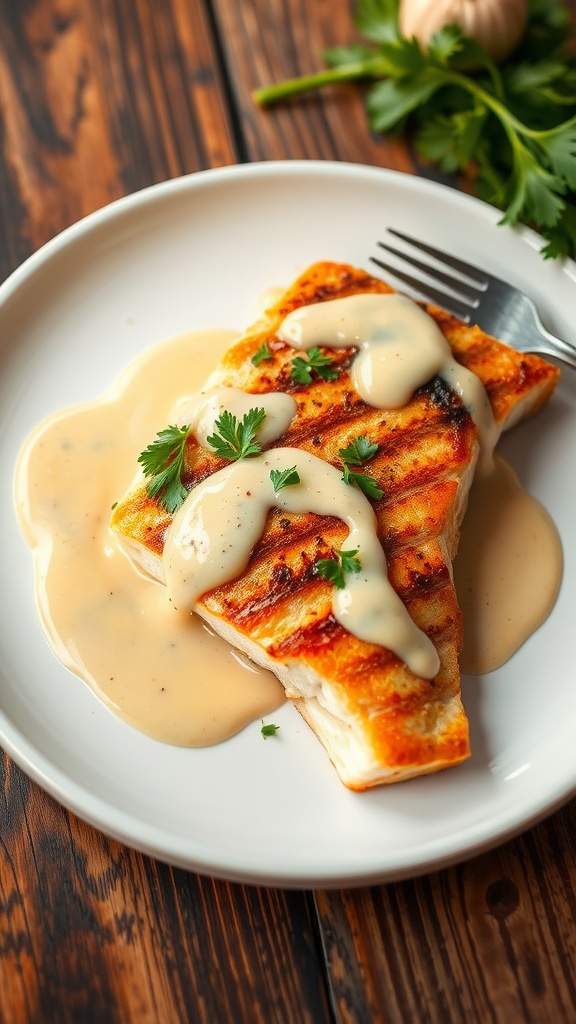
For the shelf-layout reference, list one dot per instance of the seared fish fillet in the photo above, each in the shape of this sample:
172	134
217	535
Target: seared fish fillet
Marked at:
378	721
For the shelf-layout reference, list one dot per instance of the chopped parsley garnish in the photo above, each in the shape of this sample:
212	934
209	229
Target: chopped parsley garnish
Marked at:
358	452
268	729
235	440
163	461
284	477
367	484
302	369
261	354
334	569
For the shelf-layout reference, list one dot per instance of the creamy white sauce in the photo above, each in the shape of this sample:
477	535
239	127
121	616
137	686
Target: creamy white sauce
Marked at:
163	672
507	571
201	411
213	533
400	348
159	669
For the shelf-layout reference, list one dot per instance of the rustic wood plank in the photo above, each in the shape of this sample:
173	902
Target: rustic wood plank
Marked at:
100	98
492	940
93	932
267	41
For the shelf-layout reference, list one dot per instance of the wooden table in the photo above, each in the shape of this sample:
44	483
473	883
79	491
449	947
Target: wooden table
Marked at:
99	98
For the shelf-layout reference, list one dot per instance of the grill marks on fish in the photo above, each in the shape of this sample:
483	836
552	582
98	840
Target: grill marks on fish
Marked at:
412	444
280	611
280	600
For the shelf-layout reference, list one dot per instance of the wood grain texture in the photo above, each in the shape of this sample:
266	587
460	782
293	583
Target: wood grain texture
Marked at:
492	940
93	932
98	99
269	40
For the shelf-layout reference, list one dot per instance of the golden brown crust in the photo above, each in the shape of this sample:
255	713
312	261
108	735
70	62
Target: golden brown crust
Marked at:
424	463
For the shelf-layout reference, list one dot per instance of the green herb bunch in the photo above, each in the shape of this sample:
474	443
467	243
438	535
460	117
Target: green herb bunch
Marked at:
512	129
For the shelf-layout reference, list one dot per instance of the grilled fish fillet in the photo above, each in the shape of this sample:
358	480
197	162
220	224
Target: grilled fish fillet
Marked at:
378	721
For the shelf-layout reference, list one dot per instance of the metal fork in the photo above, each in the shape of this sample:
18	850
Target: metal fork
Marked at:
476	297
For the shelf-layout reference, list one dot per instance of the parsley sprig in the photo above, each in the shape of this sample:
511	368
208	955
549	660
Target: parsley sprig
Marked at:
303	369
356	454
268	729
284	478
262	354
236	439
163	461
506	127
335	569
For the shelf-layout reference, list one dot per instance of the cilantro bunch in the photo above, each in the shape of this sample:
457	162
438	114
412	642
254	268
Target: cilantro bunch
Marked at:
512	130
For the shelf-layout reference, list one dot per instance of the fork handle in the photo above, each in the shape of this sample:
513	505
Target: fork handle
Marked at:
535	338
547	344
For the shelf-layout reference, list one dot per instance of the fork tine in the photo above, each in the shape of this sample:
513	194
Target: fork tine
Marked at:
499	308
465	291
427	292
469	271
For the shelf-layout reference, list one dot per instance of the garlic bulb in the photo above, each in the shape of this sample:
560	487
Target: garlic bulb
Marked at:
498	25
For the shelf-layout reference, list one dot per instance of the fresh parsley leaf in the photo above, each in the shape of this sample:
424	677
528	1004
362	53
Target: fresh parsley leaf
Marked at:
390	101
560	236
334	569
356	454
452	141
284	478
163	461
378	20
261	354
347	54
237	440
561	150
523	78
367	484
349	561
532	192
303	369
268	729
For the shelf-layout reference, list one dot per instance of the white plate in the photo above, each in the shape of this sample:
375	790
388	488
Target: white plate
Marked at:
198	252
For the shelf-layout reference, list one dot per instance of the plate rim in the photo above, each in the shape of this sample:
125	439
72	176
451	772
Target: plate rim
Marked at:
47	773
196	179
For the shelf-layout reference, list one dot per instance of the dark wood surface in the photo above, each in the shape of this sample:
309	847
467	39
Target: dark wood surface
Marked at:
99	98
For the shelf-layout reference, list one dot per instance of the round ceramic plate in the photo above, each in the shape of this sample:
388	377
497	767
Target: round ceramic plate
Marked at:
199	252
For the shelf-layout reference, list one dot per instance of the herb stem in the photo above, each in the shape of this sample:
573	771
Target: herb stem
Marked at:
377	67
465	120
268	95
546	133
511	124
